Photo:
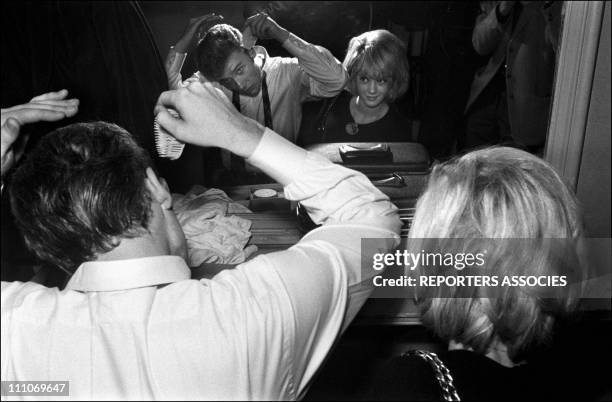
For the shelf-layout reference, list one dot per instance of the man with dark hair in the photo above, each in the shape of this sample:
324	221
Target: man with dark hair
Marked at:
87	188
130	323
215	49
270	90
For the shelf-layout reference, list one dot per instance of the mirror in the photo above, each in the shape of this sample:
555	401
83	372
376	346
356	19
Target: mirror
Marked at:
441	52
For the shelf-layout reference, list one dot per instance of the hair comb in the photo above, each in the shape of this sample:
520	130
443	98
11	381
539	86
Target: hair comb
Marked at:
167	146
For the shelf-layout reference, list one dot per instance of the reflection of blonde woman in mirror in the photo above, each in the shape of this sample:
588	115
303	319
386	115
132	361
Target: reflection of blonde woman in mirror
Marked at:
504	194
378	69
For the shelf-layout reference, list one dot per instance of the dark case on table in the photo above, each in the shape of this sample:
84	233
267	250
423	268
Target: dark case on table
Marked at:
398	169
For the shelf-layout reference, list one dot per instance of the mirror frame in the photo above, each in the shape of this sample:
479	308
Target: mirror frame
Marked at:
580	33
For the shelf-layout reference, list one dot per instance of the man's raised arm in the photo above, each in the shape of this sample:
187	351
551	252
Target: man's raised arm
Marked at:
323	74
188	41
306	296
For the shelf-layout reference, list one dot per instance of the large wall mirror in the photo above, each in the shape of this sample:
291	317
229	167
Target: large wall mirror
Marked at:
440	47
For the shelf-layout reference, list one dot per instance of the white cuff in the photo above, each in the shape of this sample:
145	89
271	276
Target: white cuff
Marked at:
178	61
278	157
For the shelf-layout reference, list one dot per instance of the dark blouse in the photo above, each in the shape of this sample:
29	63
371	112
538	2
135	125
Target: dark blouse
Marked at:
393	127
475	377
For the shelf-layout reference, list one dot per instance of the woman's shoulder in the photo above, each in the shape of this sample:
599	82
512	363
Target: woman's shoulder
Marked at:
396	125
412	377
339	104
405	377
478	377
397	113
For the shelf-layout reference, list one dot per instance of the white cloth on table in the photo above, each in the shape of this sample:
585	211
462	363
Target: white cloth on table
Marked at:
213	236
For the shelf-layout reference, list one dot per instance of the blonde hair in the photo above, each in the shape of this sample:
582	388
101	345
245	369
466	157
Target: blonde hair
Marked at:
379	54
499	193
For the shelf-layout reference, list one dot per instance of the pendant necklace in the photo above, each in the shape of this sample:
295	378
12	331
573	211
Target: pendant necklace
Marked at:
352	128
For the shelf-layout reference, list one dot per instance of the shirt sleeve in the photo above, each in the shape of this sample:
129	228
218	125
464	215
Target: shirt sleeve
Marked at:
173	65
322	75
321	275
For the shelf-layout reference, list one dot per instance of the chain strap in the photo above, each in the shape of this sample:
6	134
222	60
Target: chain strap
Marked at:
445	379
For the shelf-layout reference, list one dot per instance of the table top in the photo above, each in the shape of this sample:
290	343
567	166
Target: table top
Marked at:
278	229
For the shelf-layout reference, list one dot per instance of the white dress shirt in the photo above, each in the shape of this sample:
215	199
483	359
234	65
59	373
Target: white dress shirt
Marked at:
291	81
141	329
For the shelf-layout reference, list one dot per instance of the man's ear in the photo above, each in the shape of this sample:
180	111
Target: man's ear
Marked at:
251	52
115	241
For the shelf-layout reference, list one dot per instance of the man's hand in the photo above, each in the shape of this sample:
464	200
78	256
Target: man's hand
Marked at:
208	119
10	153
505	7
264	27
159	190
51	106
195	30
47	107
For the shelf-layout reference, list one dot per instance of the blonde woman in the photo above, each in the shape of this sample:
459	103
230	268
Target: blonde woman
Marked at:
378	70
507	198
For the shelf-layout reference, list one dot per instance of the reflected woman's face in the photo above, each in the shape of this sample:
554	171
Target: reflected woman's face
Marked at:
372	91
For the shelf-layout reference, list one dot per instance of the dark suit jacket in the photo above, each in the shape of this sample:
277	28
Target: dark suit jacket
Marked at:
529	53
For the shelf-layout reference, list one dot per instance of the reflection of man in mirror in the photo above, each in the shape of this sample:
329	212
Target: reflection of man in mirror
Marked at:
510	96
267	89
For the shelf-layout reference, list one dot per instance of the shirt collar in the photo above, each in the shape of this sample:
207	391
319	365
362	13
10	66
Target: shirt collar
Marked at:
106	276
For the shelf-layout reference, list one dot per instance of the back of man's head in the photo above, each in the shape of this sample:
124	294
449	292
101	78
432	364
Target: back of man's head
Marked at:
79	190
214	49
